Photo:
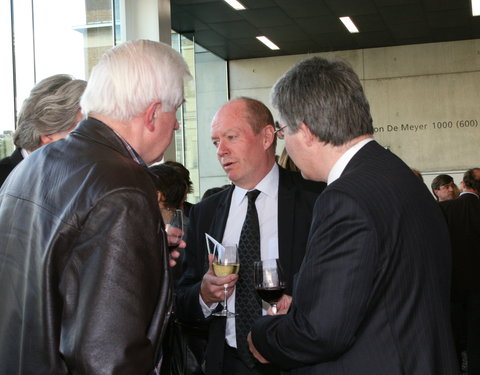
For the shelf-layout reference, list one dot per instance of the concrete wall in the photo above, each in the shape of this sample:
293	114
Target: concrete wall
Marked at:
424	99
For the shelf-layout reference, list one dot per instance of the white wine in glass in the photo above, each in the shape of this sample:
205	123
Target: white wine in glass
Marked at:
226	263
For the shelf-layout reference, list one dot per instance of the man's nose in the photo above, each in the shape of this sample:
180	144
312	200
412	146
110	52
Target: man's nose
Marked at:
221	149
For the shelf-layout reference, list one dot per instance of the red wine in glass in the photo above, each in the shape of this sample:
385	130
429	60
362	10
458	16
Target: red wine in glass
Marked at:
269	281
271	295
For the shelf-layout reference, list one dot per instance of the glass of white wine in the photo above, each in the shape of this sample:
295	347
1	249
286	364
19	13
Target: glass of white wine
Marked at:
226	263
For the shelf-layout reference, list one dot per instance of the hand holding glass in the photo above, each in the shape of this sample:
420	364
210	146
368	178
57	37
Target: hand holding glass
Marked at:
269	281
225	263
174	229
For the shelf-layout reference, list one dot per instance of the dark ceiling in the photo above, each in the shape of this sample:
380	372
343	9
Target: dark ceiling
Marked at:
308	26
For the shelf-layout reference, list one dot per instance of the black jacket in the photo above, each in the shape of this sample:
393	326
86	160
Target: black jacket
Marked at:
7	164
463	220
372	294
296	198
83	262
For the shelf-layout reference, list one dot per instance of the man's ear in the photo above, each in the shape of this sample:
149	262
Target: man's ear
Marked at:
160	196
150	115
307	135
45	139
268	136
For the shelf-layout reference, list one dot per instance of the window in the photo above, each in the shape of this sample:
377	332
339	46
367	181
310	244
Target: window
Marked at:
51	37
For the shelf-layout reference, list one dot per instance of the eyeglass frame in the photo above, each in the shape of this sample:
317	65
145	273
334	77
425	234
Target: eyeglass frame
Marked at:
279	131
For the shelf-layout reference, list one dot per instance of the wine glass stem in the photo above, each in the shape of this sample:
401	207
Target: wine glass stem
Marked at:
225	297
274	308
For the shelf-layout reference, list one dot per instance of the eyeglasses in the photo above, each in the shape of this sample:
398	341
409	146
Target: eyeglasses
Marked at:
279	132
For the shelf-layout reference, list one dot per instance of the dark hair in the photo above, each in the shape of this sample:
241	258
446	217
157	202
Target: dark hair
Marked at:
471	179
214	190
326	96
440	180
184	172
170	183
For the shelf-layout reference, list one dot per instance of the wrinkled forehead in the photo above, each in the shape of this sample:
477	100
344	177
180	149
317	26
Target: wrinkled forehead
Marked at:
227	120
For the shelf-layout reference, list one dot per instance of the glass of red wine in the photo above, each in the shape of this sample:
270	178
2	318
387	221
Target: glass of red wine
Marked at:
269	281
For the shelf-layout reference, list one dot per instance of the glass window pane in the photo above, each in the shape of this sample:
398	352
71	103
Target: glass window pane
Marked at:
7	108
82	31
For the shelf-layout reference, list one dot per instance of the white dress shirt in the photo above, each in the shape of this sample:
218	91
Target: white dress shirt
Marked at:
267	209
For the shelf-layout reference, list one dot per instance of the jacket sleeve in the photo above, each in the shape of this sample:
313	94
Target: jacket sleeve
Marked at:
187	305
332	290
114	288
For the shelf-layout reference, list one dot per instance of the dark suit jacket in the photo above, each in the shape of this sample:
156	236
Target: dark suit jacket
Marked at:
463	220
372	294
7	164
296	198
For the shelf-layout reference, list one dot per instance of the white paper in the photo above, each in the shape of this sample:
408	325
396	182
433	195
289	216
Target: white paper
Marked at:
217	245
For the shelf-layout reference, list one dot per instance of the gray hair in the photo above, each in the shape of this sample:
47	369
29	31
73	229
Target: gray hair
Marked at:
131	76
51	108
326	96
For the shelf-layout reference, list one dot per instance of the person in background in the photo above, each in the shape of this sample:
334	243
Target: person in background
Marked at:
285	161
463	220
86	286
50	112
171	189
244	137
372	294
443	187
213	190
186	177
171	192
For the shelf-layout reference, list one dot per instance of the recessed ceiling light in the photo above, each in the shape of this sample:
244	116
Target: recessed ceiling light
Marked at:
267	42
235	4
349	24
476	7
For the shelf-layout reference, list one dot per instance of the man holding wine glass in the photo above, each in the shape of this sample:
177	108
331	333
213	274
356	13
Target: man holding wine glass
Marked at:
372	294
266	212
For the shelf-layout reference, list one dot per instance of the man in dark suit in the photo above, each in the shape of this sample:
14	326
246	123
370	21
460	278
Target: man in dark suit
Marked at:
463	220
372	294
245	138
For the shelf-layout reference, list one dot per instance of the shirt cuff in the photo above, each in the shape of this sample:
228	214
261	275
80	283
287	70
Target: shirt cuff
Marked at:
207	311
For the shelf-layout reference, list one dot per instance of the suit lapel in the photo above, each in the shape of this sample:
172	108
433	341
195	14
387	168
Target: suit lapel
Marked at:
220	216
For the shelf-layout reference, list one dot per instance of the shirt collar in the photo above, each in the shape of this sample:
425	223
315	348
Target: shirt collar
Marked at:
24	153
268	186
134	154
342	162
469	192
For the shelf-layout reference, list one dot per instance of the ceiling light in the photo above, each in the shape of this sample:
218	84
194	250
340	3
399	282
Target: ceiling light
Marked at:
476	7
235	4
349	24
267	42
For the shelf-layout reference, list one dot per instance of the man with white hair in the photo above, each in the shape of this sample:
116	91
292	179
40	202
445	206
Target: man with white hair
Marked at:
83	255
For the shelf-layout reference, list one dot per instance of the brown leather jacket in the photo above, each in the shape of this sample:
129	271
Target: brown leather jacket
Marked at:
84	278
